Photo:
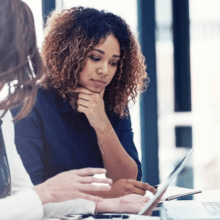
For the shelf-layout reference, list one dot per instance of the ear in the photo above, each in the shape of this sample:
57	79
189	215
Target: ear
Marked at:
102	92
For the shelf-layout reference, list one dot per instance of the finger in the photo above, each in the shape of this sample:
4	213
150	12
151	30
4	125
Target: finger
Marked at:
83	90
102	92
90	187
89	179
151	189
83	103
139	191
82	109
84	96
89	171
145	186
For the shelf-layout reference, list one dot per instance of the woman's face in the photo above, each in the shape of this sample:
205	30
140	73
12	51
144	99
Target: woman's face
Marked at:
101	65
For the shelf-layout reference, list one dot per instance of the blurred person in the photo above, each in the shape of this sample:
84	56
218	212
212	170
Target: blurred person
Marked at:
94	67
67	192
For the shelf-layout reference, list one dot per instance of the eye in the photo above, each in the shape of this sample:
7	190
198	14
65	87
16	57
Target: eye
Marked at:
114	63
94	58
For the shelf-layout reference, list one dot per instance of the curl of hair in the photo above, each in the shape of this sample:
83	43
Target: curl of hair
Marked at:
70	36
21	64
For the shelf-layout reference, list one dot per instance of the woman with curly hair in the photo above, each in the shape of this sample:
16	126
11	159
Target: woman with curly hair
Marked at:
94	67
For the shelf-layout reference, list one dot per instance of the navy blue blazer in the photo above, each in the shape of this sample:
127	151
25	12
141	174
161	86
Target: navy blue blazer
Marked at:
54	138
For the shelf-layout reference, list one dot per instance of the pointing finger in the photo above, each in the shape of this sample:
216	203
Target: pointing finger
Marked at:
145	186
139	191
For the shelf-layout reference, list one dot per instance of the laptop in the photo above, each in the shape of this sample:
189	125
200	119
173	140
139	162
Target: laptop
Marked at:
166	183
183	209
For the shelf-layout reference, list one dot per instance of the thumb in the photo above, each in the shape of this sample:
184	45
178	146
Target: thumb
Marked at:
102	92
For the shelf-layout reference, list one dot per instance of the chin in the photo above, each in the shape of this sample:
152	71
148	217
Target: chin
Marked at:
96	90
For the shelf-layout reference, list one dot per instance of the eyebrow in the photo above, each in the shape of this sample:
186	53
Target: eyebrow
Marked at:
102	52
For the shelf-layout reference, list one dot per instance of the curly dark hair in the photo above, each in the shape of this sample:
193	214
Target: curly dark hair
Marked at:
71	34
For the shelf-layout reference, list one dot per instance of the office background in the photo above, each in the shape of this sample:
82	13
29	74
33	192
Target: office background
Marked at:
181	109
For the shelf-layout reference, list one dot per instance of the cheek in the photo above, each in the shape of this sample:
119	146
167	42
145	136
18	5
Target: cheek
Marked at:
81	78
87	71
83	75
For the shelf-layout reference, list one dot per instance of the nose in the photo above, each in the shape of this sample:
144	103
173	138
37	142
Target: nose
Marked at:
103	69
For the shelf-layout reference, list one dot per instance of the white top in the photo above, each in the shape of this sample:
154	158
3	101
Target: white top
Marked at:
24	203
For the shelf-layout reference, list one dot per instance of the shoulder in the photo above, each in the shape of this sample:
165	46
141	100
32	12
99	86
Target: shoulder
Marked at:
43	93
47	98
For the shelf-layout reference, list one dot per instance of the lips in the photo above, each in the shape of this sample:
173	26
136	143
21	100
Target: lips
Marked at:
99	81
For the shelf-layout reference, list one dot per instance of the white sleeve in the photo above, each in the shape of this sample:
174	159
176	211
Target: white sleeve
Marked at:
20	179
24	203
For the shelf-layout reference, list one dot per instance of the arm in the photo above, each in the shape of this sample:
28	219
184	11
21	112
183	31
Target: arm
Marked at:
124	187
125	137
119	164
